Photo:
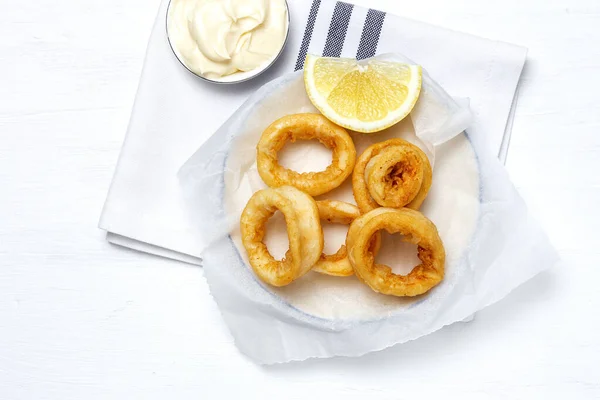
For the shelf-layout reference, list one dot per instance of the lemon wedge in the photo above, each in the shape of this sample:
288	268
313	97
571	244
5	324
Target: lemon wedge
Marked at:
362	96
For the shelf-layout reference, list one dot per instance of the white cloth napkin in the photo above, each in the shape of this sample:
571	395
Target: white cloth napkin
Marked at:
175	112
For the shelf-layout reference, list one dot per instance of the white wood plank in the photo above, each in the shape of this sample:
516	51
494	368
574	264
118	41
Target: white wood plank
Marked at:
80	318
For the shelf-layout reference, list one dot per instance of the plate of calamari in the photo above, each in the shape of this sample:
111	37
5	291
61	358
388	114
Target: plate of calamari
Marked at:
347	191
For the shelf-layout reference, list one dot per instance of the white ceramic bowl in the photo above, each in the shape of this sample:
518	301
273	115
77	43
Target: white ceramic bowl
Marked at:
237	77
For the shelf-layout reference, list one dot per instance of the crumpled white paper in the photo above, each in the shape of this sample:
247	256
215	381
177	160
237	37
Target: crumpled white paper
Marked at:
491	243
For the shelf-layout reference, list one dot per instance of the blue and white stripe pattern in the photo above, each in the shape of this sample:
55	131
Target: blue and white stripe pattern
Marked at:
337	29
370	34
341	18
310	26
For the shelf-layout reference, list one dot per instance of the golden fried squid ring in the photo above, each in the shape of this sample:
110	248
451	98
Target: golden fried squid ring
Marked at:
305	127
394	173
336	212
303	228
416	229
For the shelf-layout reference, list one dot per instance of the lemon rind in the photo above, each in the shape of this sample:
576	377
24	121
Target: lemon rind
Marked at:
394	116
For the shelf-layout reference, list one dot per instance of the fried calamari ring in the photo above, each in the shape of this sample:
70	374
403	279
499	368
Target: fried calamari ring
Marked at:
303	228
305	127
416	229
336	212
394	173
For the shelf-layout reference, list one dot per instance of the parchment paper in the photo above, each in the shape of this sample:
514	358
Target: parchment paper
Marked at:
491	243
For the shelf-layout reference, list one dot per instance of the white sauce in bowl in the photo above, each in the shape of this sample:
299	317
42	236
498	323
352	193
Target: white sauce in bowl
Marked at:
227	40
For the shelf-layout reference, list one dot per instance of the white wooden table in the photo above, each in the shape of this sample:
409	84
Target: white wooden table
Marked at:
80	318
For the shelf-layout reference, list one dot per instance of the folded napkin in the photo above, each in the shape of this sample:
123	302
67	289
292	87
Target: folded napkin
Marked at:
175	112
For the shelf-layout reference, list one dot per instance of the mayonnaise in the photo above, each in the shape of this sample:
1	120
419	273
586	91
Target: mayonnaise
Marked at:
219	38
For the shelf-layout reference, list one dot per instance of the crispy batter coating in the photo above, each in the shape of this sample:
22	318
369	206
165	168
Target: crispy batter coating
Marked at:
305	127
303	228
416	229
394	173
336	212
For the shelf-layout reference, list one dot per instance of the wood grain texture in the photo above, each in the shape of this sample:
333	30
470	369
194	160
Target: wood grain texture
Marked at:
82	319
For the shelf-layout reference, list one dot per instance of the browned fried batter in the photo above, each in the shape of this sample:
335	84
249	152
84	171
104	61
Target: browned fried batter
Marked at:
394	173
305	127
416	229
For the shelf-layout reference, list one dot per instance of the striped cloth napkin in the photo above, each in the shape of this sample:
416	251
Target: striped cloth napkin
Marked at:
175	112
